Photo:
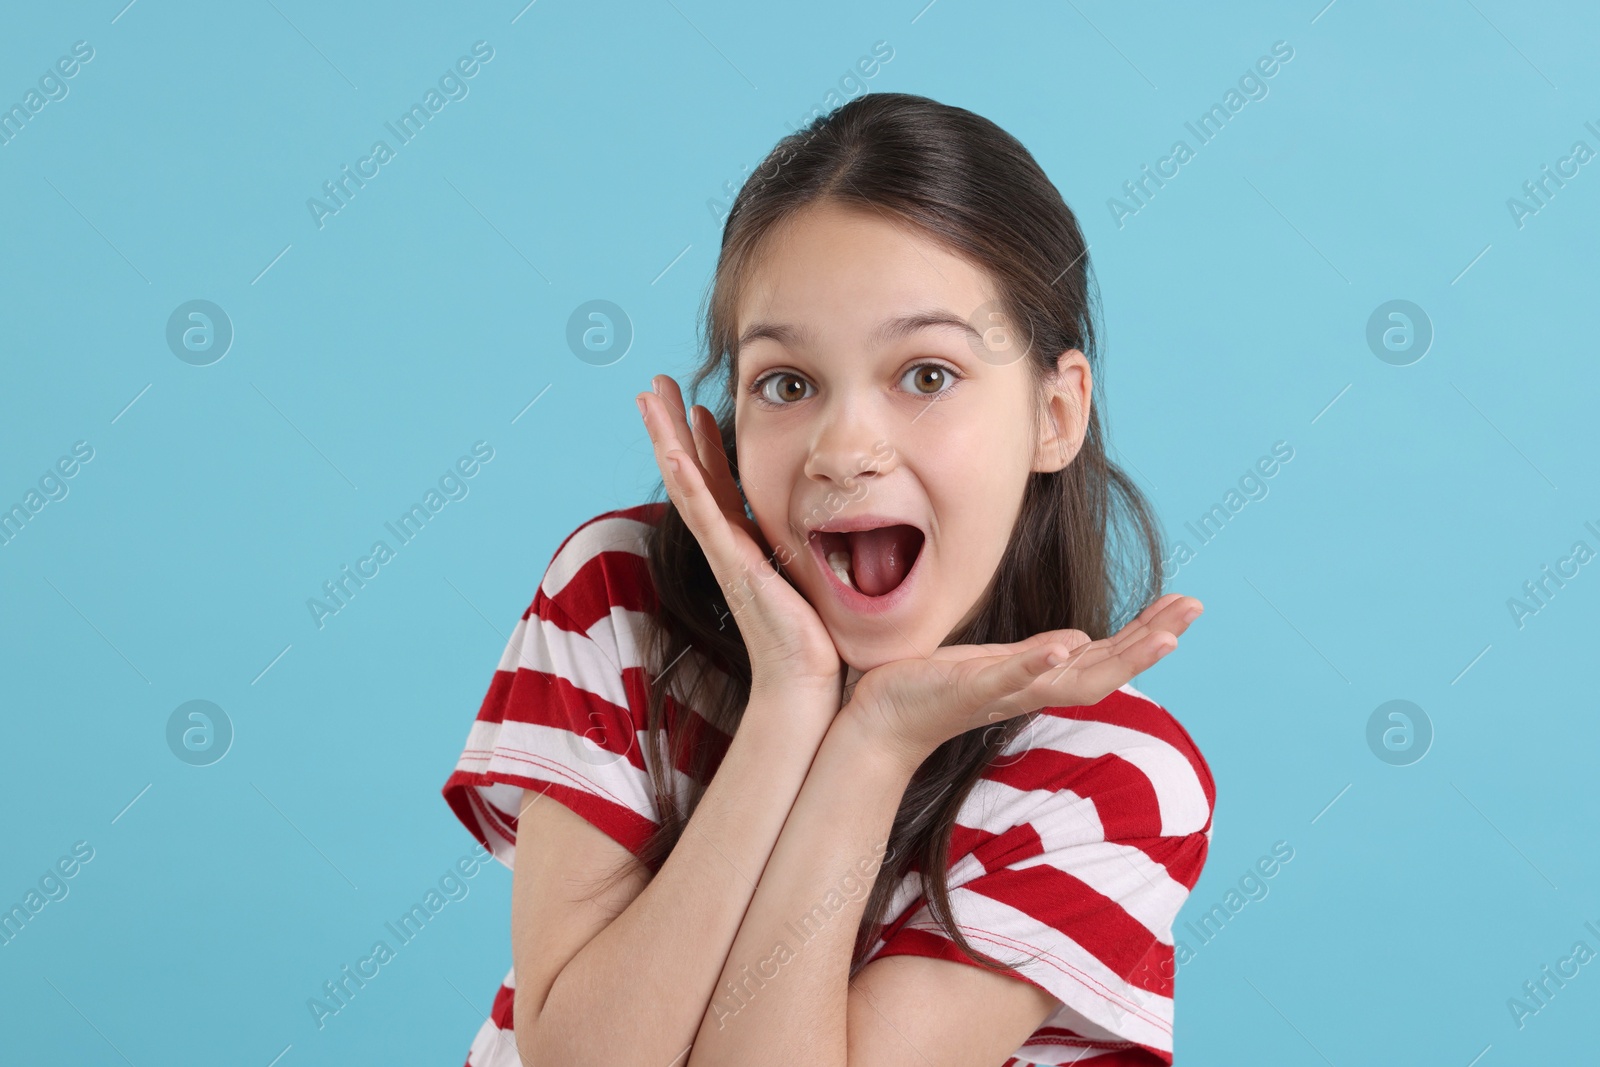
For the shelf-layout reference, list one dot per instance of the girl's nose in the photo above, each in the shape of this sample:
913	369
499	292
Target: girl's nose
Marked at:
849	445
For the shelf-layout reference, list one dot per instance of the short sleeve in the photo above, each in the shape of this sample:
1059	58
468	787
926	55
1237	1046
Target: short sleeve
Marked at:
1075	857
563	714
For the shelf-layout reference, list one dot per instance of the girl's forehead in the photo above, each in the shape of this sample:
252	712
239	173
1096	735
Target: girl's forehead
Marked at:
849	244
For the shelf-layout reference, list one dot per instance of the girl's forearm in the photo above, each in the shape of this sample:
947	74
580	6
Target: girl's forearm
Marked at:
780	997
637	992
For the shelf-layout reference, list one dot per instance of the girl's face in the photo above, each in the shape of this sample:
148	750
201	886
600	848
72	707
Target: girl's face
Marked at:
866	394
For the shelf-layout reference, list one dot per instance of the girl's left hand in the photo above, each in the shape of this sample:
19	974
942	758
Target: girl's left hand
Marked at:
912	706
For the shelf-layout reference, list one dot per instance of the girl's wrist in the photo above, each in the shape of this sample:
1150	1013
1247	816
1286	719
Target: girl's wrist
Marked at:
866	731
797	685
799	703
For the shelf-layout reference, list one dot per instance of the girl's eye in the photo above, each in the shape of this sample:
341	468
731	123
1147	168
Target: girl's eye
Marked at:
785	392
931	379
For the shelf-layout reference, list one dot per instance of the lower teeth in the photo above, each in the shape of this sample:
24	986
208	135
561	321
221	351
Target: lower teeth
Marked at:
840	562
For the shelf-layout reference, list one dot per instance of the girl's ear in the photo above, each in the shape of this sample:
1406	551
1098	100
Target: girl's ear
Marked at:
1065	418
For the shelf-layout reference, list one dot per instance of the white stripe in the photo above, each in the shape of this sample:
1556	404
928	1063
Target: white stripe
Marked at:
492	1046
592	661
995	807
1047	1054
1128	688
615	534
1073	840
595	661
1180	796
1126	875
565	758
506	799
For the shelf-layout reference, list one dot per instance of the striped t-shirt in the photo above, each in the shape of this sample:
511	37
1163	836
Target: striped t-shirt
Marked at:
1078	845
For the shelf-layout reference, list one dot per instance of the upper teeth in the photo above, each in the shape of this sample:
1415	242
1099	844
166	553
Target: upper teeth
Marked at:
840	562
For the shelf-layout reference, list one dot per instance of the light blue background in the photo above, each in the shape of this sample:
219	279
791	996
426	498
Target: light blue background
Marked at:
429	312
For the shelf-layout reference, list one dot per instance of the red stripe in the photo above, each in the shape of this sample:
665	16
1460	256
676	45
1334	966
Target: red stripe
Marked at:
491	817
458	794
1123	799
622	824
546	699
621	580
994	851
1110	1052
542	699
1183	857
1122	795
1096	922
1146	716
1129	1055
501	1013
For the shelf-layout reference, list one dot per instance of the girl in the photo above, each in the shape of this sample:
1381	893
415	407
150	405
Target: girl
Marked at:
854	776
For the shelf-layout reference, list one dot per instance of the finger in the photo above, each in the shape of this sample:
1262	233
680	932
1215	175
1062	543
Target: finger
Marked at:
677	414
1005	678
665	434
1116	671
1172	614
665	437
697	503
1157	606
1091	678
1152	612
703	515
1158	613
1007	648
714	461
962	653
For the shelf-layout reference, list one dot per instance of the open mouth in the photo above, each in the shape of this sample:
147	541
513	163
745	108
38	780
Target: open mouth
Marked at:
870	563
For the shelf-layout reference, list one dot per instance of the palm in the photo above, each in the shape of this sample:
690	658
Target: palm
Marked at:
922	702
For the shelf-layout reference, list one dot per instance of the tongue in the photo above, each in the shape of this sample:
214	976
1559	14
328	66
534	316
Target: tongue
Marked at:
880	559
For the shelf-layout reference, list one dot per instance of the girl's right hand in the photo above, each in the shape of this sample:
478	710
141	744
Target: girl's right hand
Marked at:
788	645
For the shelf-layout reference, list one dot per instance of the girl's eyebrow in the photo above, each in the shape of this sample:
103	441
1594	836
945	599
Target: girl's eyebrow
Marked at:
888	330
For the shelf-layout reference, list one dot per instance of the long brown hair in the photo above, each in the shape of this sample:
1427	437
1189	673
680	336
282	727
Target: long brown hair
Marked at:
1085	533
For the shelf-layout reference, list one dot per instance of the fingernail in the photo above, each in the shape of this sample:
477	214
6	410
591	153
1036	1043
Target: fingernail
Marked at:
655	385
677	468
640	401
